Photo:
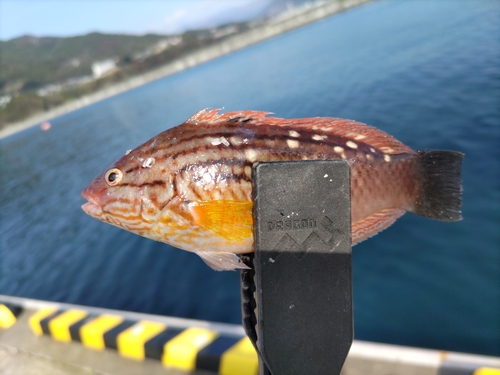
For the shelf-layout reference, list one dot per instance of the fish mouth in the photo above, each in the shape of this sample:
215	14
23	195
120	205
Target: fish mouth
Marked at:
91	208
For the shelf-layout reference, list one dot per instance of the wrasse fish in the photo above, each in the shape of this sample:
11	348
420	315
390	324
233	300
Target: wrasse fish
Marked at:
191	186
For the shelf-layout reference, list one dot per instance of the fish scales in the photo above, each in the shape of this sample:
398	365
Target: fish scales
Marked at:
191	186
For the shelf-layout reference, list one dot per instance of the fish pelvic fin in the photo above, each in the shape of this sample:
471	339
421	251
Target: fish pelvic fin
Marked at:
441	190
222	261
370	226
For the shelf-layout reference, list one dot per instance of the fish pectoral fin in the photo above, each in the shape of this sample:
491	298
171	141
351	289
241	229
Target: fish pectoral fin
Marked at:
222	261
231	220
370	226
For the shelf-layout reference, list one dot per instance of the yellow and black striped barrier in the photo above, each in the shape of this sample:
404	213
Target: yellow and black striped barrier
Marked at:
187	349
230	353
9	314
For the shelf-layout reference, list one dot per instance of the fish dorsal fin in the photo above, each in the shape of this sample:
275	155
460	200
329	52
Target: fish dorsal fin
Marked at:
231	220
212	116
360	132
345	128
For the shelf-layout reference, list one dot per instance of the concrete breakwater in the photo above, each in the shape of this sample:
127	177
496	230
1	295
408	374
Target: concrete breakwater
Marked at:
240	41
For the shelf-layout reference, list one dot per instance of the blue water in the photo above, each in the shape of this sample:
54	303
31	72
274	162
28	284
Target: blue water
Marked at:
426	72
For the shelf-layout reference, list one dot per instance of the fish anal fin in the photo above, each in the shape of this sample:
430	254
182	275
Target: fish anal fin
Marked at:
222	261
370	226
231	220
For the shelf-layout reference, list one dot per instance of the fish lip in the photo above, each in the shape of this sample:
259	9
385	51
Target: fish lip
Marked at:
91	208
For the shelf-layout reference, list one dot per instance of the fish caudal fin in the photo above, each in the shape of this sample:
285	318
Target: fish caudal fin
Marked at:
441	191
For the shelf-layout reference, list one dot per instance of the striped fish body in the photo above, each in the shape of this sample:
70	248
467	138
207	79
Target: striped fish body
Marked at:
191	186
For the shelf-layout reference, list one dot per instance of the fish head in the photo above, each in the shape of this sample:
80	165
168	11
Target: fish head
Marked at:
131	193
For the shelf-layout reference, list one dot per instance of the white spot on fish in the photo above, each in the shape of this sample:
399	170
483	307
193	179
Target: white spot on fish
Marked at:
251	155
207	177
338	149
343	156
271	260
148	163
292	143
351	144
359	137
221	140
128	152
387	158
292	306
369	157
372	149
294	134
318	137
325	176
235	141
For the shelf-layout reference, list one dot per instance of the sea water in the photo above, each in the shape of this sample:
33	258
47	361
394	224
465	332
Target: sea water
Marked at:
427	72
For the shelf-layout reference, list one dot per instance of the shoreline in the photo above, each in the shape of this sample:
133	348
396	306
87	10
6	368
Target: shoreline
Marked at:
193	59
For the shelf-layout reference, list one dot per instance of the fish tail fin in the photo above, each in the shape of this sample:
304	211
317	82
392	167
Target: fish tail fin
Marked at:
441	191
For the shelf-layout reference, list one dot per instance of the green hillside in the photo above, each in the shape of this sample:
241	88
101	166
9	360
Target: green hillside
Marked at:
39	73
29	62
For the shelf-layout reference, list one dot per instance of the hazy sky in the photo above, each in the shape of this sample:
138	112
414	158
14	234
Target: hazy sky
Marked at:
77	17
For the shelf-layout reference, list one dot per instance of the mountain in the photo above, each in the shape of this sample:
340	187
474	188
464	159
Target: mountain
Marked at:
29	62
40	73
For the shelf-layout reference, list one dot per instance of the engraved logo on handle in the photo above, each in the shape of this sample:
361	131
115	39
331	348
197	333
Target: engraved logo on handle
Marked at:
324	234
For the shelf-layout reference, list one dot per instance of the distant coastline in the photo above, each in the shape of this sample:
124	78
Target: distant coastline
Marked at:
240	41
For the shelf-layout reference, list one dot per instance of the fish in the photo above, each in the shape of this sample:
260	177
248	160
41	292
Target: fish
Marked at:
191	186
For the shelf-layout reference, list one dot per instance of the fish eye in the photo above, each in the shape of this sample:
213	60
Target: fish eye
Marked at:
113	176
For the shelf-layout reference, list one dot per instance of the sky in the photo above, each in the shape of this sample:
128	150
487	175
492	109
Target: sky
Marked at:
78	17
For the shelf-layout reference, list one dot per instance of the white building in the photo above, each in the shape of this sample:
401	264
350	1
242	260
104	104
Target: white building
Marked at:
101	68
4	100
